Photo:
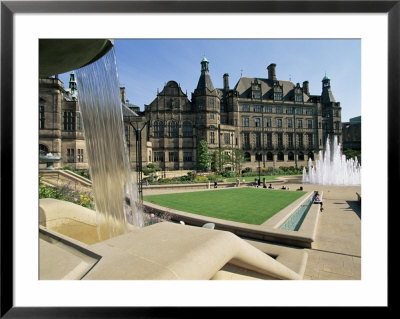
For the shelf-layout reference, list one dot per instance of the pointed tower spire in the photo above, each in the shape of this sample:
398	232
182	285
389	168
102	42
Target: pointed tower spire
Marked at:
327	95
72	85
205	79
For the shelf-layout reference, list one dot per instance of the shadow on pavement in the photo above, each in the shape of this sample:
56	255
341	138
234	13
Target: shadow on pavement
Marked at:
355	206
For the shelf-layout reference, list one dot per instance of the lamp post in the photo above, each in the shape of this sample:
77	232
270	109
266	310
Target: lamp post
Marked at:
138	125
258	158
295	136
232	154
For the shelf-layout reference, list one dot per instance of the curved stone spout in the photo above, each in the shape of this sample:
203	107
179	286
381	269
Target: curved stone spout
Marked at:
58	56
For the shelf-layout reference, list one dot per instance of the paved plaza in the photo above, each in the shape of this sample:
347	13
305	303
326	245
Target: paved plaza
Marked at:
336	252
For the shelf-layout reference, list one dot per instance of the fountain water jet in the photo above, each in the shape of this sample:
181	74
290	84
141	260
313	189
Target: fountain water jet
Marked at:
114	187
333	168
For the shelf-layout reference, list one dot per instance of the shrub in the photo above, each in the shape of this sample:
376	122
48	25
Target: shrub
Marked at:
228	174
200	178
66	193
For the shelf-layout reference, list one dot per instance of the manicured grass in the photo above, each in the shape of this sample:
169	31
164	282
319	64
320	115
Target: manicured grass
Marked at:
245	205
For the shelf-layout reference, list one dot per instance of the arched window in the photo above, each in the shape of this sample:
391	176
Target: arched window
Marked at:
270	156
173	129
158	129
301	156
187	129
43	149
280	156
311	155
247	156
290	156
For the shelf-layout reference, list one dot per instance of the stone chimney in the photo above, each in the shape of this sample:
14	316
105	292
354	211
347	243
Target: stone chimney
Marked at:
306	88
271	72
226	82
122	93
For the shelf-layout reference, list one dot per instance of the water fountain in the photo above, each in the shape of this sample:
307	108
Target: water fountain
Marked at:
126	250
332	167
49	159
115	192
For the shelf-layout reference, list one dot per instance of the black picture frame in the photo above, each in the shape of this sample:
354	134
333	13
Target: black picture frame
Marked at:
9	8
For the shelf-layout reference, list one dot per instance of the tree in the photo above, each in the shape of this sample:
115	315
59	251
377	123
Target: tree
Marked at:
203	157
350	153
238	159
221	159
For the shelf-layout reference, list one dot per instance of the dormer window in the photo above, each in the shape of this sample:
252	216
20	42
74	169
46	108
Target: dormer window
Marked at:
255	90
278	96
256	95
298	98
277	91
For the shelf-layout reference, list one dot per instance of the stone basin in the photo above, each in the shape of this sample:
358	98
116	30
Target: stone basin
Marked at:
162	251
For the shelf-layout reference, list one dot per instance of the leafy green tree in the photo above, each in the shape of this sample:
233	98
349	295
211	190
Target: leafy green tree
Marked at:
238	159
220	159
203	157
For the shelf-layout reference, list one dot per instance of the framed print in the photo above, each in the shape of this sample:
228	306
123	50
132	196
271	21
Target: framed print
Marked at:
371	26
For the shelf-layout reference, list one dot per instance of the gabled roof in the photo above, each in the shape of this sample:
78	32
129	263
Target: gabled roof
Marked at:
126	111
243	87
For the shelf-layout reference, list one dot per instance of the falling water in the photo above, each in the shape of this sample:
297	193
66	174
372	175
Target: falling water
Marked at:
114	187
332	168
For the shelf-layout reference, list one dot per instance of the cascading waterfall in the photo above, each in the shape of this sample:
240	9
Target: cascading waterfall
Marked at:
114	187
332	168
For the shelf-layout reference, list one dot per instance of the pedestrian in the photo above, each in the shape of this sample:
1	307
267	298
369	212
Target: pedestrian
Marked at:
215	184
317	200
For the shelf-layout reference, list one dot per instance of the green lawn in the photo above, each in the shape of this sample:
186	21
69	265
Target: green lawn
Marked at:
245	205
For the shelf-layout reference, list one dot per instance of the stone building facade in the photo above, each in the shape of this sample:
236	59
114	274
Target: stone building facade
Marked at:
351	132
275	122
61	126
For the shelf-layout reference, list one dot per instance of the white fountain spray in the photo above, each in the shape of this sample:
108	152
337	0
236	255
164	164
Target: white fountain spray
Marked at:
333	168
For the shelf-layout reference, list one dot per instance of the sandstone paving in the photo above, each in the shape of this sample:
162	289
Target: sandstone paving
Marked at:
336	252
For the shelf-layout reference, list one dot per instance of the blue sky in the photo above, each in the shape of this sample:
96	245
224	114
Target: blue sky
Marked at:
145	65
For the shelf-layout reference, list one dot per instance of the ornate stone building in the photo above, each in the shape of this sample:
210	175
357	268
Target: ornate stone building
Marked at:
61	127
275	122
